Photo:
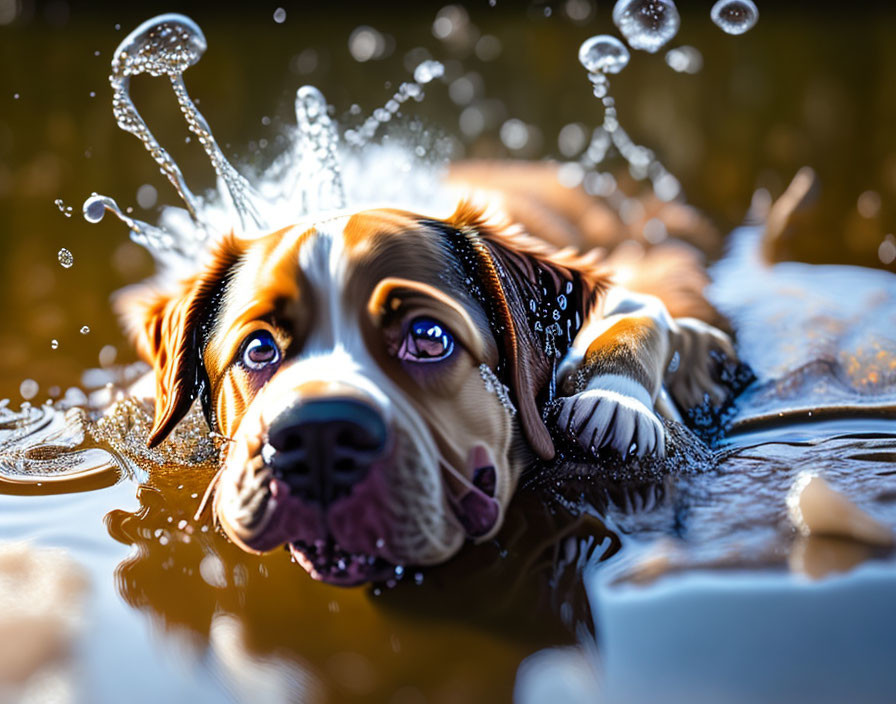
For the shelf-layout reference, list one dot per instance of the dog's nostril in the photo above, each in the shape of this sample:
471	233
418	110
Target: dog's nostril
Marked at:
344	466
358	437
286	438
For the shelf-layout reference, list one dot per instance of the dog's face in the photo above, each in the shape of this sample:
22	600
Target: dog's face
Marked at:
379	377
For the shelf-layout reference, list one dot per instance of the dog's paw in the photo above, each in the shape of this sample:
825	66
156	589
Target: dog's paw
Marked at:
598	418
694	375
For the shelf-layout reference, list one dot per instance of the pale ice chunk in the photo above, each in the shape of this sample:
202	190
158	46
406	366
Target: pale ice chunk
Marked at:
646	24
734	16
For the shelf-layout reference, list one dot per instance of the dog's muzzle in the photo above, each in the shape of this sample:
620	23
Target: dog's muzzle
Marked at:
321	448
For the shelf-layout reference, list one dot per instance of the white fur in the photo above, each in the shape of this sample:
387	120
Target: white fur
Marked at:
615	411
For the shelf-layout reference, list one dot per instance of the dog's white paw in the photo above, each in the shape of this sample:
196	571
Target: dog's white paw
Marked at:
693	378
598	418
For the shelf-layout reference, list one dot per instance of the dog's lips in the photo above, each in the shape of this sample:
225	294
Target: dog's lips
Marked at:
327	562
475	505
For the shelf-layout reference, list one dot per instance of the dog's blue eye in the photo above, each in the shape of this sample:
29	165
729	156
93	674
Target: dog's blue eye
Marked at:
427	340
260	350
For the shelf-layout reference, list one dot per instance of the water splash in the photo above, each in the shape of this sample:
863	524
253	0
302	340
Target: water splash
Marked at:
63	208
154	239
735	16
43	445
601	55
307	178
319	181
424	73
646	24
167	44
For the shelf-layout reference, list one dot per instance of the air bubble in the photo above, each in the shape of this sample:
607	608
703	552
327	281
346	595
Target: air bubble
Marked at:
65	258
734	16
85	330
646	24
54	344
279	15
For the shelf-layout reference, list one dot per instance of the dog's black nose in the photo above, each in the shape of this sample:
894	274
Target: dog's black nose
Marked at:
323	447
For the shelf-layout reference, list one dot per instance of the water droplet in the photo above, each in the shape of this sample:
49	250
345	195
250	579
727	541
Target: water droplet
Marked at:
366	43
428	71
684	59
54	344
85	330
65	258
734	16
514	134
147	196
107	356
886	251
279	15
28	389
603	54
646	24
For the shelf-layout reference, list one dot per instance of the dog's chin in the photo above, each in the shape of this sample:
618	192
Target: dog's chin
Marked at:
326	562
348	545
271	518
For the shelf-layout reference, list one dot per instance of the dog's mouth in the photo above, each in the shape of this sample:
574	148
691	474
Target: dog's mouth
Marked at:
327	562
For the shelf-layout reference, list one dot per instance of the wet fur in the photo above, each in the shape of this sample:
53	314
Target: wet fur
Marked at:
493	267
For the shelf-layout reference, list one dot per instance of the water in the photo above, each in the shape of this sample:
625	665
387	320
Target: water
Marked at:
685	59
735	16
424	73
305	179
601	55
66	260
646	24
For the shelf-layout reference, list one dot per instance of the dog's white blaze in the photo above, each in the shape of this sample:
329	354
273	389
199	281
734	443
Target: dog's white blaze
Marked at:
335	352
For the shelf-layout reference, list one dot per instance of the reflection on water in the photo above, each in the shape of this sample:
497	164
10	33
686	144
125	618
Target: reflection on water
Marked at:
700	544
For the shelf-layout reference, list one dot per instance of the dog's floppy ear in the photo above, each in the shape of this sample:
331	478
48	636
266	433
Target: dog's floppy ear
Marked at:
167	324
537	299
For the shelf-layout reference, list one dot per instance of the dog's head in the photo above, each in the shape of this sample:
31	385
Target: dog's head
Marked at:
379	377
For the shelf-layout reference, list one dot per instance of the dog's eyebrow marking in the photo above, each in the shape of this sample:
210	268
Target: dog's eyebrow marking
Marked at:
276	256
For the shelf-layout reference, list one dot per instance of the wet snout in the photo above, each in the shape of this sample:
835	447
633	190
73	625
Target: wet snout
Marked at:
323	446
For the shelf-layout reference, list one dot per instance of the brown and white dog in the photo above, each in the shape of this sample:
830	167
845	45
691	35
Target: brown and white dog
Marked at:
383	376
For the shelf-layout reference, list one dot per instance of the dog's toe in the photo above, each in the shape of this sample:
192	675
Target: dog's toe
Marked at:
598	418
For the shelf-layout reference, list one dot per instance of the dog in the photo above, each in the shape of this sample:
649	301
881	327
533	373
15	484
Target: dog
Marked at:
383	377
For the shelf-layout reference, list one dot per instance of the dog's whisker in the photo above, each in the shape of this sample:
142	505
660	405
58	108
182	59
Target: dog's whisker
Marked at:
209	492
454	472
